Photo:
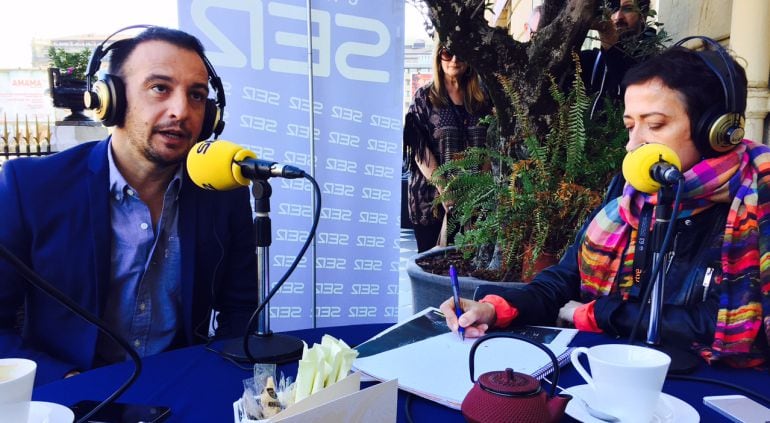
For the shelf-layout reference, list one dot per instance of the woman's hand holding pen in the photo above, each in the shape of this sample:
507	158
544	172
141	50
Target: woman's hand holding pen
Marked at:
476	319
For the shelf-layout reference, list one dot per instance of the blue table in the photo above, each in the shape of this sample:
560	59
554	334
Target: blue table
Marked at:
200	386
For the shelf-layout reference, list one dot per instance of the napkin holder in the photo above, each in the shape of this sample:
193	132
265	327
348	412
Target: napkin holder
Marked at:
341	401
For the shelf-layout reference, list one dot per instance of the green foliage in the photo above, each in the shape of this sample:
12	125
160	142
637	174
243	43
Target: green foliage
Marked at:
537	203
74	64
481	200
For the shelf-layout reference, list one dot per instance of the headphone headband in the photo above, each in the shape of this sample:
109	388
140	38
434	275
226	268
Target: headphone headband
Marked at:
728	83
721	127
215	82
95	61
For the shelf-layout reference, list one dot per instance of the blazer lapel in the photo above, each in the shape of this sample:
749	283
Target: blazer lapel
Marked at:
99	215
188	217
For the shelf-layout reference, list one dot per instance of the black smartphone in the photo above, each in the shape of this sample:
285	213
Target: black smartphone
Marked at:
118	412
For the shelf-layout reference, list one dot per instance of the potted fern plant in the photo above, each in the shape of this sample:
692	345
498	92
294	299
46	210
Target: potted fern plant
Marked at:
536	204
525	209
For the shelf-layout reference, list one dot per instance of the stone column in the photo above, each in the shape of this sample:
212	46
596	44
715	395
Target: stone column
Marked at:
750	42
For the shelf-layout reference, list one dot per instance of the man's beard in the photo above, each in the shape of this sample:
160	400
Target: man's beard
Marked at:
143	141
627	32
150	154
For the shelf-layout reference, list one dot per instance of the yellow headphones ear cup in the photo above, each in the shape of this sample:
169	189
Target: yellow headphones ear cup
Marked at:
726	131
717	131
109	94
102	104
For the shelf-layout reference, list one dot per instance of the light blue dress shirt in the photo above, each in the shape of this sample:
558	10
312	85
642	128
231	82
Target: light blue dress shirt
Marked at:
143	299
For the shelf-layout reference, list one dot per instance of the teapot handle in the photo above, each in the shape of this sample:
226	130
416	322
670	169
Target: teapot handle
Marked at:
554	361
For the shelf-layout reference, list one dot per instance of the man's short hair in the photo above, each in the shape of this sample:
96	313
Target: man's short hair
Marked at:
120	50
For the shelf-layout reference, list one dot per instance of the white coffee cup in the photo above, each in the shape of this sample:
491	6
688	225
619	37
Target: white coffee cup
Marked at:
17	377
626	379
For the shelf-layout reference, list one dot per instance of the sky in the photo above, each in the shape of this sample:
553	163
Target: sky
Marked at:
28	19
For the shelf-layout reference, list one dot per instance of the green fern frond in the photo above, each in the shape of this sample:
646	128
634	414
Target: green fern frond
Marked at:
576	132
519	111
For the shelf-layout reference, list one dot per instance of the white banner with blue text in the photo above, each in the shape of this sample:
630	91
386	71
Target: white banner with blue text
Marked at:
260	50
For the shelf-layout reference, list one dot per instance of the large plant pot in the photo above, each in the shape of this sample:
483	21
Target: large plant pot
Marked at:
429	290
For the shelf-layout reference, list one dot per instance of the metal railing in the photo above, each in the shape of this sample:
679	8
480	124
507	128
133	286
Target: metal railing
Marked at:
24	139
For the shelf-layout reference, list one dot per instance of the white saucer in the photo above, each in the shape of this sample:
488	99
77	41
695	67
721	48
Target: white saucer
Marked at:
42	412
670	409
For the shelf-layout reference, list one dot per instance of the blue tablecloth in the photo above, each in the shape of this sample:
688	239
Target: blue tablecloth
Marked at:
200	386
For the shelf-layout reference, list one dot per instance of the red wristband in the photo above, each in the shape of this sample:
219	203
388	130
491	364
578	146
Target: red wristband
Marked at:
584	318
504	312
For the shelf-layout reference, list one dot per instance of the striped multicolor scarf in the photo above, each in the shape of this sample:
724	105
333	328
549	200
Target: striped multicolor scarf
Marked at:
740	178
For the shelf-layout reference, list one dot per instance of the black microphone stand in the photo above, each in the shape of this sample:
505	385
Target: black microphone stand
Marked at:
264	346
681	361
663	213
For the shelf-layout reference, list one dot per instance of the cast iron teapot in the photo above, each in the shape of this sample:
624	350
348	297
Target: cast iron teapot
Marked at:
508	396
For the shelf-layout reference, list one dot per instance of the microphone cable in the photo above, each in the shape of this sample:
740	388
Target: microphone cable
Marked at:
657	265
305	246
38	282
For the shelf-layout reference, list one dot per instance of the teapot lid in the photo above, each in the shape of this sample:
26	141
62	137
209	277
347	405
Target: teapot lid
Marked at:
509	383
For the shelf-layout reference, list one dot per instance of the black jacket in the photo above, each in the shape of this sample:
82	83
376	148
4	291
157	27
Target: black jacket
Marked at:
691	299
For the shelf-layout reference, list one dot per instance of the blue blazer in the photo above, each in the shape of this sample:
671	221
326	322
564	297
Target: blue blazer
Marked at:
54	215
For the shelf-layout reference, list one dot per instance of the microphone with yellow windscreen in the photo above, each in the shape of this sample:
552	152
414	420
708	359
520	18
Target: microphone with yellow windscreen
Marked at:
214	165
650	166
223	165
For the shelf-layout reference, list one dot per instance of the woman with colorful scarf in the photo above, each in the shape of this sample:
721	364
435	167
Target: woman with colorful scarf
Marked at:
717	276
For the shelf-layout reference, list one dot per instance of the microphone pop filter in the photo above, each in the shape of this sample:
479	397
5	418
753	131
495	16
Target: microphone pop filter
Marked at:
638	163
213	165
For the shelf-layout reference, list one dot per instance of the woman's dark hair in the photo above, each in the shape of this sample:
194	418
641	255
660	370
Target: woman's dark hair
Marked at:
683	70
122	49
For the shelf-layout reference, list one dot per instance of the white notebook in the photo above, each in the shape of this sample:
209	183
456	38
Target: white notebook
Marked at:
430	361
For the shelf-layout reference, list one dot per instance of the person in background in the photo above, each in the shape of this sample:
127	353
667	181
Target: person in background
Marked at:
531	25
603	68
442	120
717	283
118	226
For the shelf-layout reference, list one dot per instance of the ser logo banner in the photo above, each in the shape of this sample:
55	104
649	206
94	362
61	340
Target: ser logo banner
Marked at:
346	132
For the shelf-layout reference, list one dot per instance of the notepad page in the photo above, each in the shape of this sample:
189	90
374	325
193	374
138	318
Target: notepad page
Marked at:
437	368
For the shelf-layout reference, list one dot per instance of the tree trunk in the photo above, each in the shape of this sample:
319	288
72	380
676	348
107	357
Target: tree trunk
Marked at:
501	60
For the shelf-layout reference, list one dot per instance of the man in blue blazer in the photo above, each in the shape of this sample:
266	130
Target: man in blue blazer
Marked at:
118	226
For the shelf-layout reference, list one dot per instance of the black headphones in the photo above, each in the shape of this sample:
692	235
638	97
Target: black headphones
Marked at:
108	95
721	127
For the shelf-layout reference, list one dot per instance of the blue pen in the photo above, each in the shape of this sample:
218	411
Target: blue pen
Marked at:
456	294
